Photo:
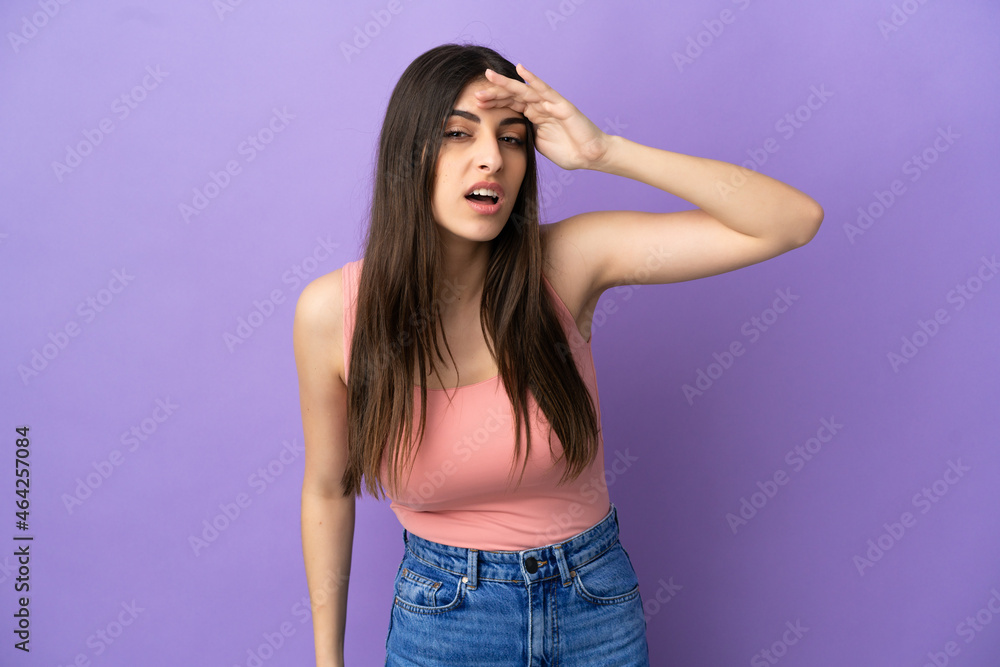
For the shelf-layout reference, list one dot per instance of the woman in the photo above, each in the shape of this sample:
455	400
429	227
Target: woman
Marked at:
466	310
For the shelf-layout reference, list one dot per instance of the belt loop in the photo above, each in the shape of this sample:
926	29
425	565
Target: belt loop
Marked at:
473	569
564	572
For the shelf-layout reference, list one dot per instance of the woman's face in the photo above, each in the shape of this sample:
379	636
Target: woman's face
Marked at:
482	149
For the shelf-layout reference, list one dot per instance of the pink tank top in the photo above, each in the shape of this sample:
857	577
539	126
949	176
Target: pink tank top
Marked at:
458	493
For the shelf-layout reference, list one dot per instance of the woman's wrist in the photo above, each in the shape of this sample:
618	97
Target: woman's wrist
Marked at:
607	160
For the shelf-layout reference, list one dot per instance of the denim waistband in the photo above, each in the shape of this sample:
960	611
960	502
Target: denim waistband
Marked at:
552	560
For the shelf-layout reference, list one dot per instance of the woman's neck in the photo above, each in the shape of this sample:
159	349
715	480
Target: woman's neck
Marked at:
463	274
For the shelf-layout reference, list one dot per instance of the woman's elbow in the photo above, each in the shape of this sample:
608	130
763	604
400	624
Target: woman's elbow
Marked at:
807	225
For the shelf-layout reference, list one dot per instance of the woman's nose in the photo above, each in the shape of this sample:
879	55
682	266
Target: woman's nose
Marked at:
488	155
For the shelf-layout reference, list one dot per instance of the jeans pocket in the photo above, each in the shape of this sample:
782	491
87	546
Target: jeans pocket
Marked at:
425	589
608	579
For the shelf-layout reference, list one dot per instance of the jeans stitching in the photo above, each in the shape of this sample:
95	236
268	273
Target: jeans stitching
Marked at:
594	599
555	625
587	562
418	609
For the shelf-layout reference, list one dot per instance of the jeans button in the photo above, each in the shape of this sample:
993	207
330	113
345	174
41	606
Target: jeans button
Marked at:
531	565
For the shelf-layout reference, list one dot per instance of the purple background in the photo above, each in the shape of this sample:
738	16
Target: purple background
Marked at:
222	74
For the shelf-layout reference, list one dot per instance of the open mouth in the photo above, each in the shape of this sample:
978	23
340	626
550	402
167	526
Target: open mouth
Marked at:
484	196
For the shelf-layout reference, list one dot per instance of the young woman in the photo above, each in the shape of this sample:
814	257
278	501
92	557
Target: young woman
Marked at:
466	311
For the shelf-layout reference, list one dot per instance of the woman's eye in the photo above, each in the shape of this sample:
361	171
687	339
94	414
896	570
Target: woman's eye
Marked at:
455	133
516	141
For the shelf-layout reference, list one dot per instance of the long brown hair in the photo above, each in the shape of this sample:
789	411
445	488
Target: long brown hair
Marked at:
399	296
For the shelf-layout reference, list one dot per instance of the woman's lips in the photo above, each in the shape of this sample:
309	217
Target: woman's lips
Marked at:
484	208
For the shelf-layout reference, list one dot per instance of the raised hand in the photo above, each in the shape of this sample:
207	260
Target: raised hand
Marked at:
562	134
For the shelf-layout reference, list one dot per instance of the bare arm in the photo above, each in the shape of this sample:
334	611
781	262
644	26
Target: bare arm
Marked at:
742	218
732	228
327	515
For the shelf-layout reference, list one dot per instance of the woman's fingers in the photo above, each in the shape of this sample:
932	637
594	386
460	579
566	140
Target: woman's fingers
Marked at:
507	92
533	81
533	97
503	102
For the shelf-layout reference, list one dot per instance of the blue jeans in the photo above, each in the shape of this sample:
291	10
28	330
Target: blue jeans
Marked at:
572	603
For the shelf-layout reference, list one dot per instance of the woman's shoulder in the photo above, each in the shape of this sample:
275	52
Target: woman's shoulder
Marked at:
319	320
570	277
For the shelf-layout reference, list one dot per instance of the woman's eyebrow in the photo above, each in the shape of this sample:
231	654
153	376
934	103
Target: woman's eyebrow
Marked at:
476	119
